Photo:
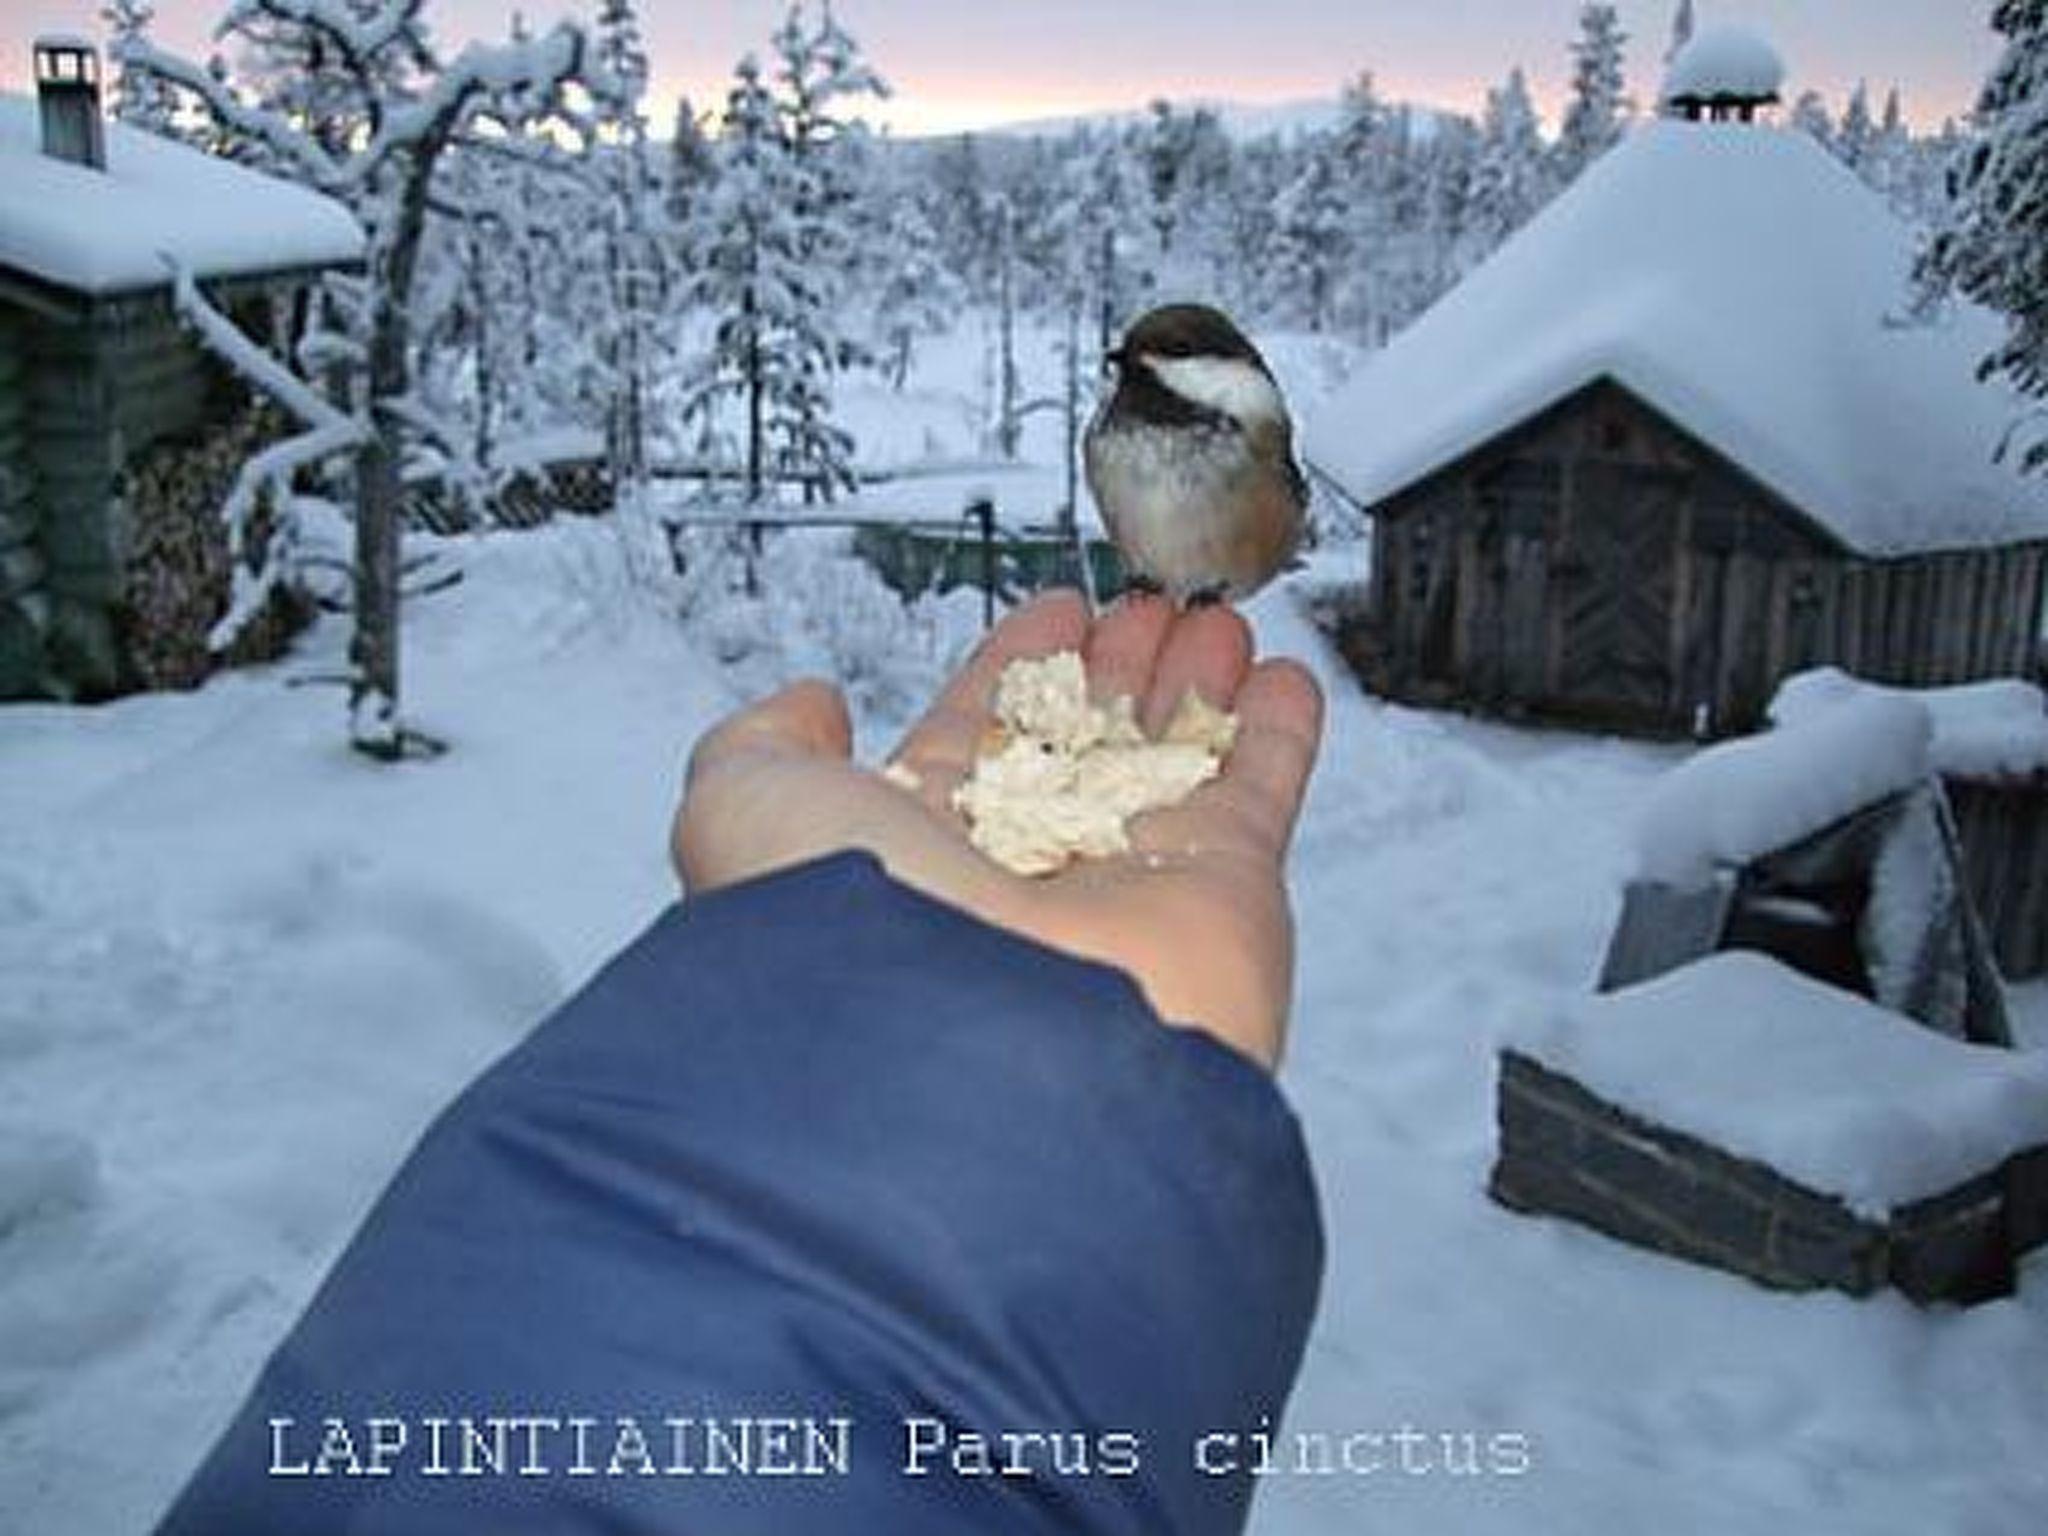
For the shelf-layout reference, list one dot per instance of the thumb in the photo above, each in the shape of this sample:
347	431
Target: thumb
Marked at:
807	719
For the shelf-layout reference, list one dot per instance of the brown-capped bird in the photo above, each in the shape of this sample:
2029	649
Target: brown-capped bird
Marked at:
1191	459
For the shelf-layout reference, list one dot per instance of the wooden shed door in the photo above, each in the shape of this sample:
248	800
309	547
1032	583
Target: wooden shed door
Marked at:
1613	591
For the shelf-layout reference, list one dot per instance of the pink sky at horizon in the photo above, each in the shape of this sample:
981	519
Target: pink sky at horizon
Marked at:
1070	57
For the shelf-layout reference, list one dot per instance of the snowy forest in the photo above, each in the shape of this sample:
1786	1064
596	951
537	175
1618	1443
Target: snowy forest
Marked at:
553	276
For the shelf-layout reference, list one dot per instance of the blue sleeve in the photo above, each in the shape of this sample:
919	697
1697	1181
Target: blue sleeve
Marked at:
825	1207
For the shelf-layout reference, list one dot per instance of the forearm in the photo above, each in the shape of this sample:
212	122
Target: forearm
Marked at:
815	1148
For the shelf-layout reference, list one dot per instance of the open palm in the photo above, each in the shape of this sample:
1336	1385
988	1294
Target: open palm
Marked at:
1197	912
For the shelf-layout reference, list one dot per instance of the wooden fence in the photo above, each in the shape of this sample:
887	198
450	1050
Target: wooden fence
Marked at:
2003	827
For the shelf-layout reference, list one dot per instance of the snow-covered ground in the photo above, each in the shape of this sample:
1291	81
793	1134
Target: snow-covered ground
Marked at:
243	968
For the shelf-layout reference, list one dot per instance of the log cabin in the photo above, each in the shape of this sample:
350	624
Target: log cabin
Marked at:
102	389
1685	434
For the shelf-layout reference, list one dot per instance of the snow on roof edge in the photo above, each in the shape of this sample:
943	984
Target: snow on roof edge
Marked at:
106	232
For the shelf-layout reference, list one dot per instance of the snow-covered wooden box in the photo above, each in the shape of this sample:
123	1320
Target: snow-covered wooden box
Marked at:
1990	747
1736	1113
1827	842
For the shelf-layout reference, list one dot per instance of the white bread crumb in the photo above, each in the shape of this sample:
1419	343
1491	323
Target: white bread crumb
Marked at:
1060	777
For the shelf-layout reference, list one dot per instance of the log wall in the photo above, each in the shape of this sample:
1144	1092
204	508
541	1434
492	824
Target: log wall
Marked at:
21	556
86	394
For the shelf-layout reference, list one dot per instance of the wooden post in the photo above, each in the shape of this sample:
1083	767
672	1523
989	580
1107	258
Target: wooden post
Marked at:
983	511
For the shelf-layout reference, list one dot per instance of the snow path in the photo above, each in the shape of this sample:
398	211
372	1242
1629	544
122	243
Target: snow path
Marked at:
244	969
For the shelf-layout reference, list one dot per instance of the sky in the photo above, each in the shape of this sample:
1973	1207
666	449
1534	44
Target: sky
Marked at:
961	64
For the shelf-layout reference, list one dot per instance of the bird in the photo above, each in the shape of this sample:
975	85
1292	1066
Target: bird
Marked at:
1190	458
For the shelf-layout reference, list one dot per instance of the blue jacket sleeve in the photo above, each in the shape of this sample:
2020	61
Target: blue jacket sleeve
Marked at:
825	1207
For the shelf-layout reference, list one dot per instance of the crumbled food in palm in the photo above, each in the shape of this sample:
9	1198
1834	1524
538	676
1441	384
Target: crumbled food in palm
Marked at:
1060	777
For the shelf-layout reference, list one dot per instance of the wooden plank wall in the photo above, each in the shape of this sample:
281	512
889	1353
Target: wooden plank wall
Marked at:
2003	828
1456	619
1919	621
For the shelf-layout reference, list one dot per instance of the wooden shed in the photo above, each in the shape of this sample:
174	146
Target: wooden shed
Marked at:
102	390
1680	438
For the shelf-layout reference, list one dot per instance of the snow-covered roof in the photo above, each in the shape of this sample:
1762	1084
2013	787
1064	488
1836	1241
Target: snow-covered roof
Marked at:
1743	282
1827	1088
1723	63
108	231
1990	730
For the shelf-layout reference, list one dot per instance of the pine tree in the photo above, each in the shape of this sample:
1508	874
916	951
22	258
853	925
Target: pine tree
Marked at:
1593	121
1992	243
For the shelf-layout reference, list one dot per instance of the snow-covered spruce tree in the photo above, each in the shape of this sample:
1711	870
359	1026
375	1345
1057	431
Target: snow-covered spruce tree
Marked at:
691	166
1682	25
1598	110
1856	135
353	98
917	292
140	97
821	73
748	270
1810	116
772	238
1512	177
1992	242
632	249
1310	239
1364	159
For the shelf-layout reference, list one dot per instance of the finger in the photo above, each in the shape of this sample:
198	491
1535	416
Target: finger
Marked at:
1123	647
941	747
1279	729
806	719
1207	650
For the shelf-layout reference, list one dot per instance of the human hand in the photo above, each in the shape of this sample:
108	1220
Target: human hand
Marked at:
1196	913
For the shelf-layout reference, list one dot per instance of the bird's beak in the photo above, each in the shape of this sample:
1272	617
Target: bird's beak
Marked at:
1113	358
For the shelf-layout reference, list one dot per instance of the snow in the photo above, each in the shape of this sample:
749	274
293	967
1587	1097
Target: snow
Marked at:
1741	799
110	231
1996	729
244	968
1740	280
1832	1091
1723	62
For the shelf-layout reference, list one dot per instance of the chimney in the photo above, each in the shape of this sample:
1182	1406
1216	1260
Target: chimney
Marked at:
68	89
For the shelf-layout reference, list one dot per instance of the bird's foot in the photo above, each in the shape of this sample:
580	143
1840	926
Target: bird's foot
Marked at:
1137	584
1214	595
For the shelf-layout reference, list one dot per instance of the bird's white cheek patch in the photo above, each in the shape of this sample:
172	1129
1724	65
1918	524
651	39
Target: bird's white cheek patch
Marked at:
1225	384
